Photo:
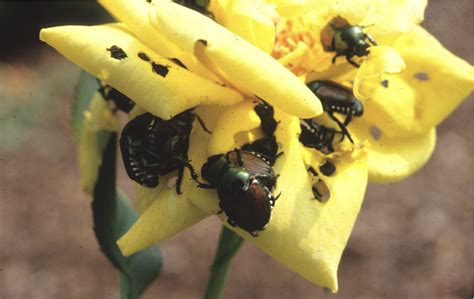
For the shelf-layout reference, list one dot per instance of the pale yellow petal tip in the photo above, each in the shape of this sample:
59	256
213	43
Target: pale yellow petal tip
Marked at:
44	32
126	246
168	213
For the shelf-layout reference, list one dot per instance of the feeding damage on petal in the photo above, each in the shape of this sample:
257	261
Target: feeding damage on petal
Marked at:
381	60
134	13
434	83
392	159
242	64
155	83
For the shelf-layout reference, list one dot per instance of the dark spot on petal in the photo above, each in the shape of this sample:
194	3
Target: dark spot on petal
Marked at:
178	62
143	56
148	1
117	53
203	41
422	76
328	168
384	83
375	133
160	69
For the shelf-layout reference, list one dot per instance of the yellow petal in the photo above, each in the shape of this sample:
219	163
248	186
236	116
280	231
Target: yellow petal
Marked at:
250	19
381	60
449	78
304	234
162	88
169	214
387	19
97	119
393	159
233	125
434	83
341	73
134	13
243	64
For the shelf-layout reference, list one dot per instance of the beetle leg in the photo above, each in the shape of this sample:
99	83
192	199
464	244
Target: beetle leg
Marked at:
180	180
341	126
254	234
334	58
371	39
349	59
348	118
278	196
188	165
279	155
203	126
205	186
312	171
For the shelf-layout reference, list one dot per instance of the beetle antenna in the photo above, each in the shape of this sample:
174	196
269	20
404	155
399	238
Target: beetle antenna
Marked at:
203	125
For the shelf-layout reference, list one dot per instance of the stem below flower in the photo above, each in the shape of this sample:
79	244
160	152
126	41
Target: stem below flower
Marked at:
229	244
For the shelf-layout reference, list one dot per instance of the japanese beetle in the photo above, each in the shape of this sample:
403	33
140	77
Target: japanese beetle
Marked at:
152	147
244	177
243	181
346	40
317	136
337	98
121	101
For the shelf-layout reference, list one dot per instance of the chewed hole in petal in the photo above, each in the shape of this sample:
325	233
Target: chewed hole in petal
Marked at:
375	133
422	76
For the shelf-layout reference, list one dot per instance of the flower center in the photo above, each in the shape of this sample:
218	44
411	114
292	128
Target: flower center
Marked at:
290	35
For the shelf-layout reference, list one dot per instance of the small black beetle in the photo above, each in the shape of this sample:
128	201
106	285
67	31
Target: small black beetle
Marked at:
268	123
121	101
337	98
347	40
152	147
317	136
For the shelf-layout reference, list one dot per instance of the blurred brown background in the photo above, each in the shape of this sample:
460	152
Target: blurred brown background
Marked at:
413	239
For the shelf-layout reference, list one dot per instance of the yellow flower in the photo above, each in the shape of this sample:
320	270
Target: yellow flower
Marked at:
401	108
268	50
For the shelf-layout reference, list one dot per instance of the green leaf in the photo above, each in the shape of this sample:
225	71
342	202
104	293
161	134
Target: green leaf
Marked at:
112	211
85	89
113	215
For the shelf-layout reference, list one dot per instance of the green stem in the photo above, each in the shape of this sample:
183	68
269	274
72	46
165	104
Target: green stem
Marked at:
229	244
